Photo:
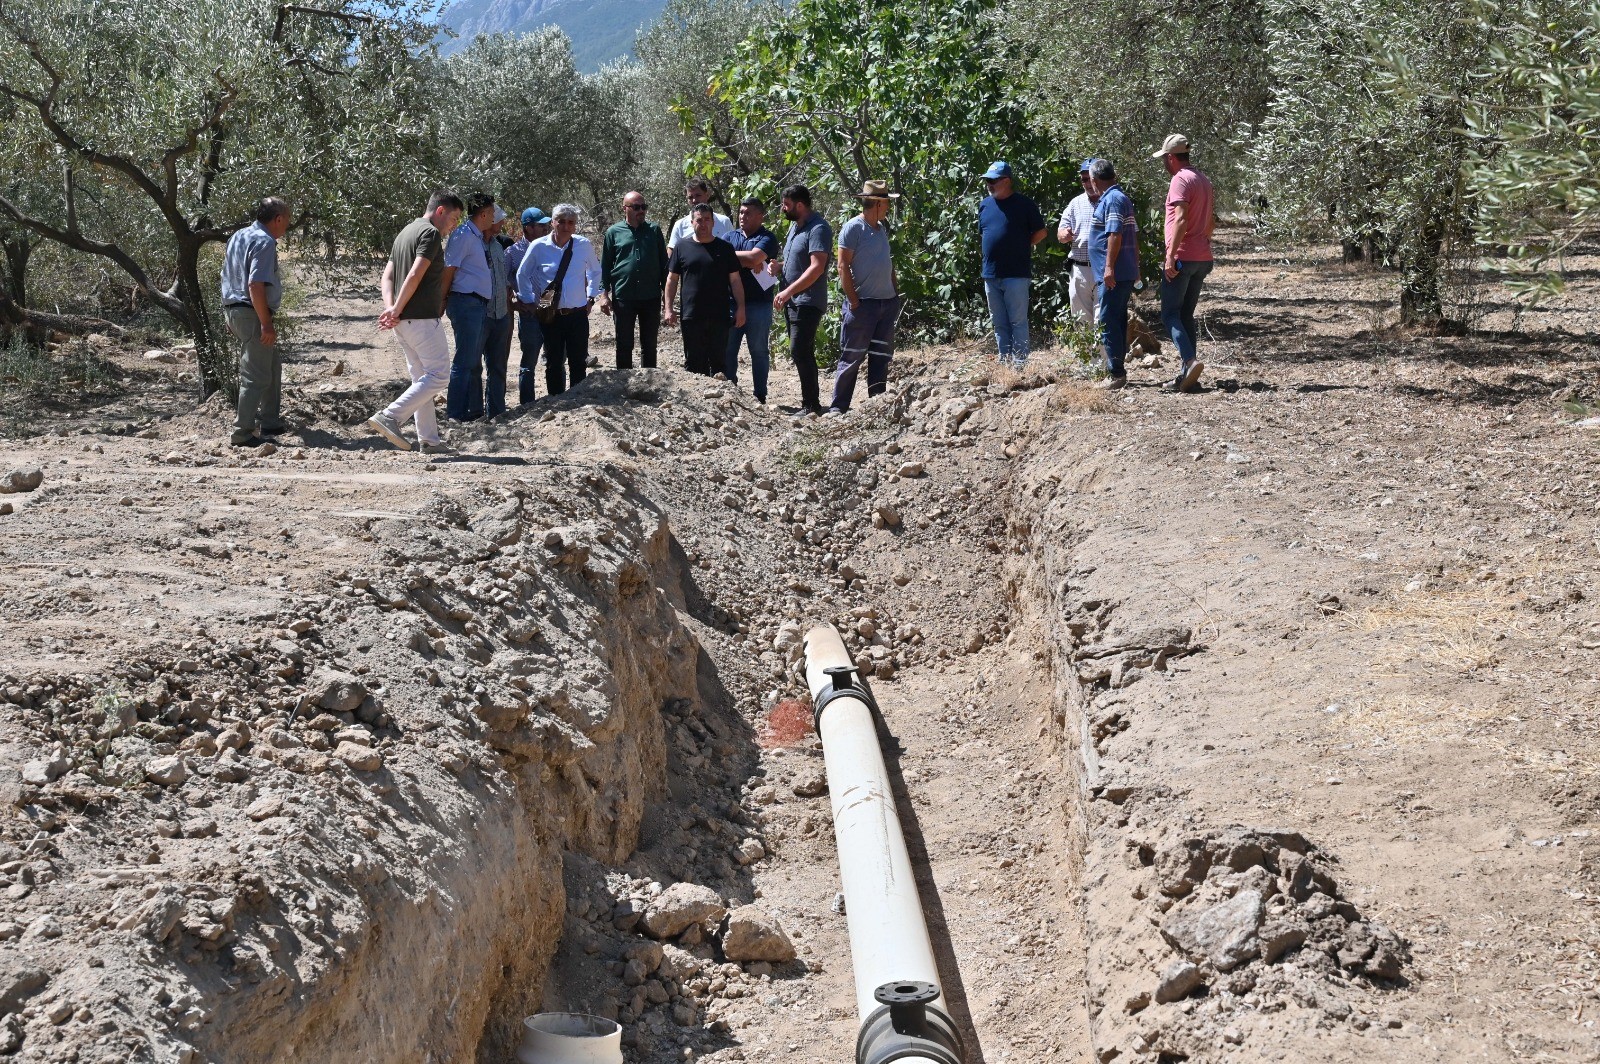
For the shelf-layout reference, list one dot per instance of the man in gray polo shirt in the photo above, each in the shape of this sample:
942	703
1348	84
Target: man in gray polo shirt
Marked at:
804	296
251	292
871	297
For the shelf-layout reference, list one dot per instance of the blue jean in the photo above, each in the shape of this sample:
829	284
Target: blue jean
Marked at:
1179	297
464	397
866	334
530	334
1008	309
496	353
757	328
1114	324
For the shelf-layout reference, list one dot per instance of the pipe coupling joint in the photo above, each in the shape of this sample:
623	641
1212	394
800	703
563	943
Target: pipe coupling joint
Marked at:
908	1025
844	681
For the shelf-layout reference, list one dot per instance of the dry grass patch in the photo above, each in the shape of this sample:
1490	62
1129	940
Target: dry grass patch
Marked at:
1457	627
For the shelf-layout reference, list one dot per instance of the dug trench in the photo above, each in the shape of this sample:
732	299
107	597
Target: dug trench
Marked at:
1233	726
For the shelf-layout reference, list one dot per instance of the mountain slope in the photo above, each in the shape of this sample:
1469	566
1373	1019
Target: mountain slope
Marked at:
601	30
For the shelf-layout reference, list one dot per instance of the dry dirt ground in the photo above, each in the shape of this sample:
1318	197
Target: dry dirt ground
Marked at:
1254	724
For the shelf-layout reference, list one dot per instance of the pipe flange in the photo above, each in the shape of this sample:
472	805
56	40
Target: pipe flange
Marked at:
908	1025
844	681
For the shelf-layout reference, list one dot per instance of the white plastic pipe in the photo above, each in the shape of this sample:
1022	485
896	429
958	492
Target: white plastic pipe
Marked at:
888	935
570	1038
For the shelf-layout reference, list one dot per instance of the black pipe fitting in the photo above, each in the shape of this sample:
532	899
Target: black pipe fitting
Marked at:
843	681
908	1025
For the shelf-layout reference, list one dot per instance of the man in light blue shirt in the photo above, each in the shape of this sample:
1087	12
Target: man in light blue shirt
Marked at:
251	291
470	284
572	259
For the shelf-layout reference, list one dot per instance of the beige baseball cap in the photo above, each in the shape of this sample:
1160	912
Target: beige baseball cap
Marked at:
1175	144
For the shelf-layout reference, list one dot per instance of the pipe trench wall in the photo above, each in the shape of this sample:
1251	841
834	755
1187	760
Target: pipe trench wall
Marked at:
444	941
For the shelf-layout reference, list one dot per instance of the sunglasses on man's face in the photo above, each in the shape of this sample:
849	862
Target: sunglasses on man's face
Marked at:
638	206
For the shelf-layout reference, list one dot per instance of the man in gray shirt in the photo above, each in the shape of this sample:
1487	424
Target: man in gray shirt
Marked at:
804	297
871	299
251	292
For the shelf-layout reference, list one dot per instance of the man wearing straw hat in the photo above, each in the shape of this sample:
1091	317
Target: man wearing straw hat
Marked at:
871	299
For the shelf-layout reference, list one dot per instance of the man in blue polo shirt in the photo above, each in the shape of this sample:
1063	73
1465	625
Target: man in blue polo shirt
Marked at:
1114	260
251	290
470	284
1009	225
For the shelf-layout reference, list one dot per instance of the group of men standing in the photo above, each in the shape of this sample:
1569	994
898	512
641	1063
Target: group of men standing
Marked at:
1102	232
722	283
719	282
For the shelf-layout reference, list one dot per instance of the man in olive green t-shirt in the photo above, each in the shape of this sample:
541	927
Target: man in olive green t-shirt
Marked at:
413	301
633	270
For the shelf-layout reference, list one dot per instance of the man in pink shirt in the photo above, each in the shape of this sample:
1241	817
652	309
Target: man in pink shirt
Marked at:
1188	259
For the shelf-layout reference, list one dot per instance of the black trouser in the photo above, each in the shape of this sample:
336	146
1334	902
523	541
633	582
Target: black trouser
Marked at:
705	344
803	322
566	348
531	335
648	314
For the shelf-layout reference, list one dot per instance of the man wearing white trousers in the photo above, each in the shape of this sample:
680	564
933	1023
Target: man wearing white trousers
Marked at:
413	301
1073	231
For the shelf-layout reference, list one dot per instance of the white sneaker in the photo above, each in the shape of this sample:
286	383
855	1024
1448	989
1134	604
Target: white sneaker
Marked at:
385	426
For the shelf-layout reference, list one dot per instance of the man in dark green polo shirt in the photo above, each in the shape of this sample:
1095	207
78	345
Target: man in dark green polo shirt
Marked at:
633	271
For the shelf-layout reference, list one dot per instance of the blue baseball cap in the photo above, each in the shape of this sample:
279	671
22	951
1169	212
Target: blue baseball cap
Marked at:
1085	167
997	169
534	216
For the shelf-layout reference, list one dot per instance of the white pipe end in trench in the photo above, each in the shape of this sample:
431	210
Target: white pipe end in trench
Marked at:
570	1038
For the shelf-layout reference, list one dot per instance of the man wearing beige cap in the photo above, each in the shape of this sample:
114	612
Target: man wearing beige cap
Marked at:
1188	257
871	297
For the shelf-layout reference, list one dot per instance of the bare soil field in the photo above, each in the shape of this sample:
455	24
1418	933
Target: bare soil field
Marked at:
1253	724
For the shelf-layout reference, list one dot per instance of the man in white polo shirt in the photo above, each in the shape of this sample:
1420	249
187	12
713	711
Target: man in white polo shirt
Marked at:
698	190
1073	230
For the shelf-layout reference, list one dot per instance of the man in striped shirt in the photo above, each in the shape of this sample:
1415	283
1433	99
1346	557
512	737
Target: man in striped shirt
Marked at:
1114	260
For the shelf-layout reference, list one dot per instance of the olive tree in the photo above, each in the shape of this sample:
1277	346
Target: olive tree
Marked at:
1112	78
836	93
1533	122
189	110
1364	136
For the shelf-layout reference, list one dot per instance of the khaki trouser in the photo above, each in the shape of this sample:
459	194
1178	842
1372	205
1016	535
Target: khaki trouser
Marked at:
260	373
428	364
1081	292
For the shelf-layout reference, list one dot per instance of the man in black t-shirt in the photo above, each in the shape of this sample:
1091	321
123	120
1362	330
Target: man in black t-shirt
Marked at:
708	272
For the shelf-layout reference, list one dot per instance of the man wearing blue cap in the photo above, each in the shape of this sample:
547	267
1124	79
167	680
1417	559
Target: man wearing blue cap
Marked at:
1073	230
530	334
1010	225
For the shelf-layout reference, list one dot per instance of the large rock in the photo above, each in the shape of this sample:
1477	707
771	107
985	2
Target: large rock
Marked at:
361	758
167	771
21	480
1224	934
754	935
338	692
18	982
678	963
1179	981
681	905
